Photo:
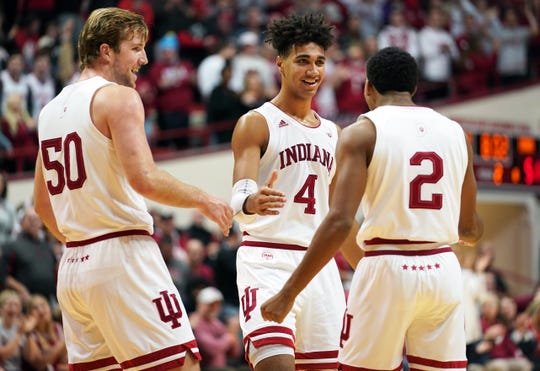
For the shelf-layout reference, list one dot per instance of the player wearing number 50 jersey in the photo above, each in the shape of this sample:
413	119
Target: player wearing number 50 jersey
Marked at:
412	169
284	165
120	308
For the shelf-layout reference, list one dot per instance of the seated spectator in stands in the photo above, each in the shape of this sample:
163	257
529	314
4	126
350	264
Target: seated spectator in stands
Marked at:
253	92
48	336
15	343
216	341
196	253
14	80
512	62
166	228
224	106
196	228
175	80
30	261
19	128
485	264
438	53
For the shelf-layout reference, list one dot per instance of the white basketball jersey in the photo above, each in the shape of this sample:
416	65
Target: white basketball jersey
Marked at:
414	179
88	188
305	159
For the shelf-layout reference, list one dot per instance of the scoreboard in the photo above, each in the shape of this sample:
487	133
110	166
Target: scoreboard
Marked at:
505	159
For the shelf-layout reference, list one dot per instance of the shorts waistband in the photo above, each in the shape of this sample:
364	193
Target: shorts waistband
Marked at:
130	232
408	252
273	245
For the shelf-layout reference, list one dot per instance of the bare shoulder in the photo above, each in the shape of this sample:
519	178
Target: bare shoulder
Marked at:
251	128
360	134
117	97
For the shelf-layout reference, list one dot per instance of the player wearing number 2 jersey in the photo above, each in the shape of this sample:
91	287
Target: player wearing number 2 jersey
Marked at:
412	169
120	307
284	164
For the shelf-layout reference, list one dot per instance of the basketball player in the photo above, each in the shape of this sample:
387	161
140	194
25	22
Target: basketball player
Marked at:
286	145
412	169
119	304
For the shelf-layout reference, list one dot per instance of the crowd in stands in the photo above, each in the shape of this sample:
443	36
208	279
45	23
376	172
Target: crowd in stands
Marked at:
208	62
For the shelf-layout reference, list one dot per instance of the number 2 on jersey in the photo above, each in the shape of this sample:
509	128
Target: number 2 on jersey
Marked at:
306	194
415	187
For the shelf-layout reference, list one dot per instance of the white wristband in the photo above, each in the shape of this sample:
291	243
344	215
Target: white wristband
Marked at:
240	192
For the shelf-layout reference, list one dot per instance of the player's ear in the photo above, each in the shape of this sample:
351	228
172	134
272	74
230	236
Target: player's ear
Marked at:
279	62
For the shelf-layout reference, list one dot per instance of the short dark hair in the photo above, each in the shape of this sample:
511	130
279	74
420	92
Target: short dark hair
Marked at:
392	69
284	33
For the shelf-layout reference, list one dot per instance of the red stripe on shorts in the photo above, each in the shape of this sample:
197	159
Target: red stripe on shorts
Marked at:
92	365
262	336
343	367
320	360
131	232
434	363
408	252
272	245
164	353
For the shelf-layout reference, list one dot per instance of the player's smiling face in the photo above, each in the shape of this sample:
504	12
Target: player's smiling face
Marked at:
303	69
129	60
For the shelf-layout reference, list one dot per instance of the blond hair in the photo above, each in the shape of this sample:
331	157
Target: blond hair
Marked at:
108	26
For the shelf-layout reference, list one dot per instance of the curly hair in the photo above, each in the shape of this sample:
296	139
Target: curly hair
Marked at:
392	69
284	33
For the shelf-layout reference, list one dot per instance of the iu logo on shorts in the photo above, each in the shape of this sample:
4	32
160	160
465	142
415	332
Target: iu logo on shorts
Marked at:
168	313
249	302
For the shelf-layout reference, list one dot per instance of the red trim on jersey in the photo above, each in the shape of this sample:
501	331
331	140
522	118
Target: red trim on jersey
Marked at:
164	353
408	252
92	365
436	364
343	367
131	232
384	241
272	245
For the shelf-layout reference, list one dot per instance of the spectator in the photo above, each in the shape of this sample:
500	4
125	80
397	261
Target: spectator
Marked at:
19	128
175	80
485	264
15	345
349	79
512	63
216	342
30	260
253	93
42	85
196	254
210	71
14	80
197	230
438	52
48	336
224	105
398	33
248	58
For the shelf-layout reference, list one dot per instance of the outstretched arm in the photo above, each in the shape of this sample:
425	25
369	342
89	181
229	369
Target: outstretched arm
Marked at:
120	111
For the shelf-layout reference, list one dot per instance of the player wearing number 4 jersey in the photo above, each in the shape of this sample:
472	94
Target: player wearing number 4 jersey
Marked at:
120	307
284	164
412	169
